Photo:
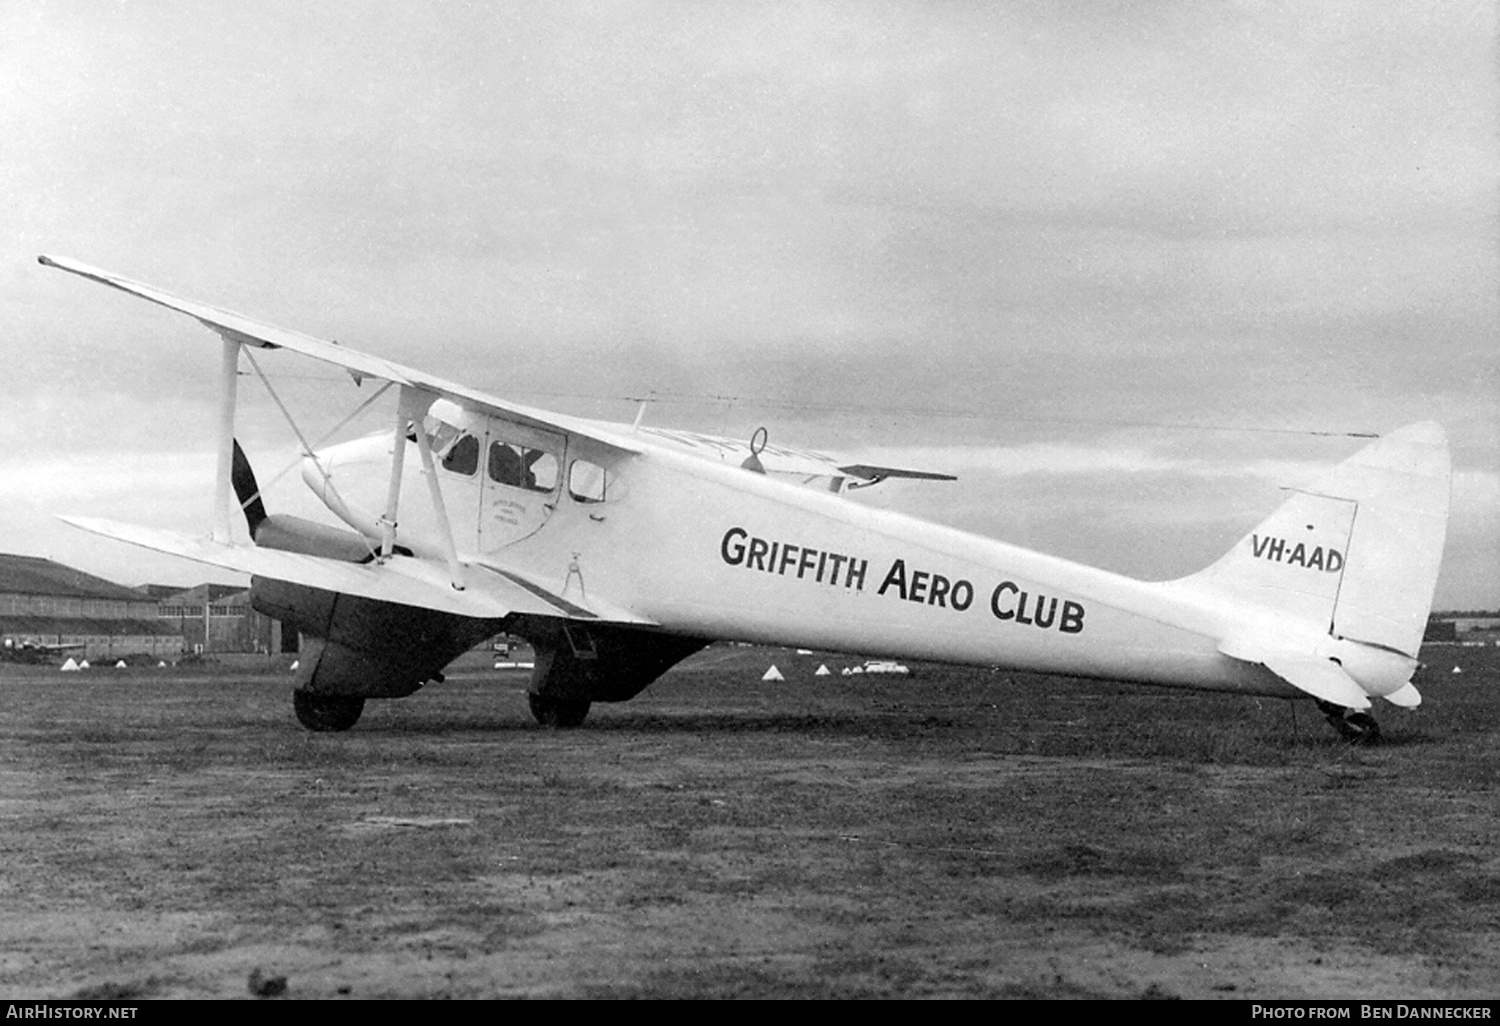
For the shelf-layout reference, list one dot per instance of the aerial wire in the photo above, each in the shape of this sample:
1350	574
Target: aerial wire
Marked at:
727	402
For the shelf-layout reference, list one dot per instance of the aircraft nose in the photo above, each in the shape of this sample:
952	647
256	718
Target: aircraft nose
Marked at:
332	463
317	468
349	478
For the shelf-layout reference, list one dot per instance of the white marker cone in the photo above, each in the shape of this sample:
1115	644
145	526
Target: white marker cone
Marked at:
823	671
70	665
773	674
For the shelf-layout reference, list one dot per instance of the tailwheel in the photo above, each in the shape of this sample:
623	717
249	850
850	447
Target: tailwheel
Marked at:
326	712
1358	728
551	711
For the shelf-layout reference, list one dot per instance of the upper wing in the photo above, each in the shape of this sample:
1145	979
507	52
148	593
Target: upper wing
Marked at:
875	475
781	459
240	328
489	592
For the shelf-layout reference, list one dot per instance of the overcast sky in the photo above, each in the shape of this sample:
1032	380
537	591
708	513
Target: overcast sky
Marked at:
1112	263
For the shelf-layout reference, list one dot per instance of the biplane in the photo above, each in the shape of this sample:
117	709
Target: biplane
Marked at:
617	550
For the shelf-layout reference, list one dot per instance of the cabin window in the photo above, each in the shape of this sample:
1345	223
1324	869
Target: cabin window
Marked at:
589	482
535	470
463	458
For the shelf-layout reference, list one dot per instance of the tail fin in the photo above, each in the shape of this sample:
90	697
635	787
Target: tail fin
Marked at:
1358	552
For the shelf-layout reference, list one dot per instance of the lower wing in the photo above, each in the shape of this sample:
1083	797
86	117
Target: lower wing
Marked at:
489	592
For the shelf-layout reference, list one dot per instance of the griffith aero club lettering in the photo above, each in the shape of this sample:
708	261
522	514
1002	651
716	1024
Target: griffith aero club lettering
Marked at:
930	588
1009	595
1009	602
740	548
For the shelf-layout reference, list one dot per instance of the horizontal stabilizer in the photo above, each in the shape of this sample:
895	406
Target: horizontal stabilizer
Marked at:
1406	696
1321	678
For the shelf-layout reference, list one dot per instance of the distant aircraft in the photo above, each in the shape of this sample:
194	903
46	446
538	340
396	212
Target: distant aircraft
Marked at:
618	550
28	650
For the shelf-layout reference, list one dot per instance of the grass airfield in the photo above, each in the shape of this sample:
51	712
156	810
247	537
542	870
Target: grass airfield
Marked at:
951	833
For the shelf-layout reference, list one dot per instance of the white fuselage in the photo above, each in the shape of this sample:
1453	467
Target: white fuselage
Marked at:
717	551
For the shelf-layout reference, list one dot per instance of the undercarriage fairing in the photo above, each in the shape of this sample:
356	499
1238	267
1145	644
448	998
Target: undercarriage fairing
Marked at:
364	648
358	648
598	662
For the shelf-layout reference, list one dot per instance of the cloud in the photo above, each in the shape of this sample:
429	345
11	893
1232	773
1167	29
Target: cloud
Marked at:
149	486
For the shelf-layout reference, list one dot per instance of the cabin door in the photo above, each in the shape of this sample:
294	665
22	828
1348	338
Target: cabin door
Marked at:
521	478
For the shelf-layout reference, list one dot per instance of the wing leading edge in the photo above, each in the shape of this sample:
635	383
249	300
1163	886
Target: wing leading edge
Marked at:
239	328
400	580
259	334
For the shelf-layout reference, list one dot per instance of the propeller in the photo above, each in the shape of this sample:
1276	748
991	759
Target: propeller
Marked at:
242	476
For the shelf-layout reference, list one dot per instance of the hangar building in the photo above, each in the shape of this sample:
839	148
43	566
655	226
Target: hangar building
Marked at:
217	618
50	604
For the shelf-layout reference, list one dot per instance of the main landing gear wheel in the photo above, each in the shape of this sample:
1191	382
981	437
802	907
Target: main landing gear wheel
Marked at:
1358	728
326	712
557	712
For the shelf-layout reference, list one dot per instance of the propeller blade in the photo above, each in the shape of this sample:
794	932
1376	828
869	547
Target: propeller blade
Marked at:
246	490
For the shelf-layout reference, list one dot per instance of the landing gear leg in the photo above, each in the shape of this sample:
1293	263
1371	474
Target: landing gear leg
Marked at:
326	712
1357	728
550	711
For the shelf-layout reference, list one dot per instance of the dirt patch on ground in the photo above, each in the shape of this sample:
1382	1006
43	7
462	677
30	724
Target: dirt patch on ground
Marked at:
952	833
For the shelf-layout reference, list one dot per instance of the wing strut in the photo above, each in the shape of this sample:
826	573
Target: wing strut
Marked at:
229	372
330	433
455	568
398	463
307	449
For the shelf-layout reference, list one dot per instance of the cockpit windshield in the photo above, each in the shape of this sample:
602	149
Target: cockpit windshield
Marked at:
440	434
463	458
454	448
